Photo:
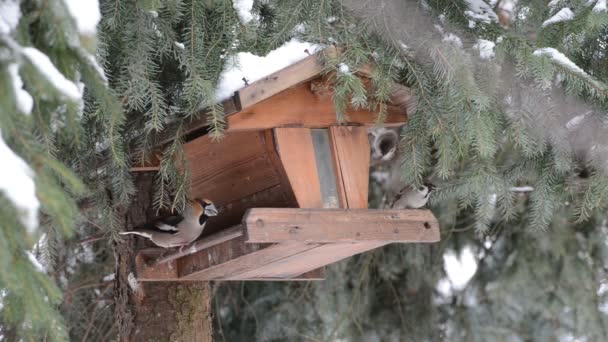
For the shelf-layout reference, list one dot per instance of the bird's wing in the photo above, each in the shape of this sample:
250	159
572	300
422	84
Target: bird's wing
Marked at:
167	225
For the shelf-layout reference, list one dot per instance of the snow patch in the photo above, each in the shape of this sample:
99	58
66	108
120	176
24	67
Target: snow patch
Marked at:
486	48
133	284
600	6
253	68
243	9
559	57
9	15
109	277
17	184
86	15
453	39
573	123
565	14
179	45
553	3
522	189
54	76
344	68
480	11
460	269
97	68
35	262
25	102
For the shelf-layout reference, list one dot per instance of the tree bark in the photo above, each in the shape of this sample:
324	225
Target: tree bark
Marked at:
155	311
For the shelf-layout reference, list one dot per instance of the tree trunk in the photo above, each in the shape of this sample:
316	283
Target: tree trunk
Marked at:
156	311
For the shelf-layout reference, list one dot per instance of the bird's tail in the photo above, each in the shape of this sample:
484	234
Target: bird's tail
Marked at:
144	234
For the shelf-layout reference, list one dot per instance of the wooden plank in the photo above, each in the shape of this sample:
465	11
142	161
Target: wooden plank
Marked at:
295	148
265	225
224	263
351	152
210	241
274	83
309	260
318	274
226	171
300	107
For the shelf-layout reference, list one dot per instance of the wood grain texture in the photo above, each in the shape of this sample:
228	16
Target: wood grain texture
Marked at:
318	274
229	260
146	272
265	225
276	82
351	155
310	259
295	148
300	107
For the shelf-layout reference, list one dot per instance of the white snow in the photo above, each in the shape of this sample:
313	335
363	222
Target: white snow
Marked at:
253	68
132	282
109	277
17	184
481	11
452	38
25	102
600	6
486	48
565	14
54	76
154	14
460	269
558	57
35	262
97	68
243	9
573	123
553	3
179	45
9	15
86	15
344	68
522	189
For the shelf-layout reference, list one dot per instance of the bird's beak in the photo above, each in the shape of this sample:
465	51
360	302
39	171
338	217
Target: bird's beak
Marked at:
210	210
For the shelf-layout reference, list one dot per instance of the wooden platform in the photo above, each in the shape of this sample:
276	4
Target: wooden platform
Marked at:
287	244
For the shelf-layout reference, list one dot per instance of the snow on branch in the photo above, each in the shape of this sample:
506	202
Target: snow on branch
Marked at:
243	9
565	14
560	59
17	184
480	11
86	15
50	72
9	15
25	102
600	6
486	48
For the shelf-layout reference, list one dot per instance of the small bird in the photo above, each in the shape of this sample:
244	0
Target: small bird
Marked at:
410	198
178	230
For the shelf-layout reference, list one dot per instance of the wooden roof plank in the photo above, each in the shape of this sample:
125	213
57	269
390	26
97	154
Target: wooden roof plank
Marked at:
272	225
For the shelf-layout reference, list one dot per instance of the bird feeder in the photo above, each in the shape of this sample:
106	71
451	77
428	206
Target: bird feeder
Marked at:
291	186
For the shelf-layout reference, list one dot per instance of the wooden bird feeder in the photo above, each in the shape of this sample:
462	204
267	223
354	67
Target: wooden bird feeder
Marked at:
291	186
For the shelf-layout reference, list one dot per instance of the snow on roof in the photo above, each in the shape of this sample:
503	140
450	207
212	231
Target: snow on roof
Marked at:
54	76
565	14
243	9
17	184
252	68
25	102
86	15
560	58
9	15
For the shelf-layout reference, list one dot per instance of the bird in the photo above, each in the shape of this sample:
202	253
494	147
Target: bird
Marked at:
410	198
178	230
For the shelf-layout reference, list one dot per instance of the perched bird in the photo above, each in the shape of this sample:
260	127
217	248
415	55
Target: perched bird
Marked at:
410	198
178	230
